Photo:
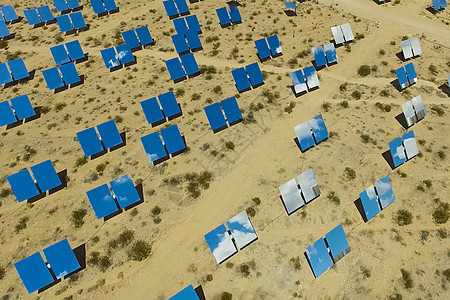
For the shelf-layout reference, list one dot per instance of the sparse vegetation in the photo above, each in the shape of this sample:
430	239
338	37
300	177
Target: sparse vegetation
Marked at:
77	217
226	296
229	145
326	106
124	239
407	279
356	95
403	217
364	70
441	213
140	250
22	224
334	198
349	173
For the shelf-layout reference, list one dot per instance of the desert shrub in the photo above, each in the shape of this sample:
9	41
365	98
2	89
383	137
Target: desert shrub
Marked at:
365	138
78	216
197	181
441	154
446	273
118	119
344	104
217	89
251	211
124	239
229	145
196	96
343	87
104	263
433	69
442	213
60	106
382	52
349	173
334	198
156	210
442	233
407	280
395	296
437	110
364	70
100	168
81	161
22	224
295	262
5	192
326	106
256	200
403	217
3	44
356	95
427	183
29	153
226	296
366	272
244	270
209	277
292	62
2	273
140	250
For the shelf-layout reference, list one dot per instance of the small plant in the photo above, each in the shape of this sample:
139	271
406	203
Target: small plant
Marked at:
22	224
179	92
356	95
403	217
446	273
5	192
217	89
349	173
140	250
251	211
2	273
81	161
407	280
156	211
326	106
60	106
437	110
256	200
118	119
344	104
100	168
244	270
295	261
442	213
226	296
441	154
334	198
365	271
78	216
195	96
364	70
229	145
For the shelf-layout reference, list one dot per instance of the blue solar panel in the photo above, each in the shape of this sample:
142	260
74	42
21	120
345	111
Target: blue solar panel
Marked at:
5	76
89	141
144	35
22	106
172	139
224	18
220	243
18	69
53	78
254	73
169	104
124	54
4	31
59	54
193	23
182	6
9	13
290	5
274	45
319	129
330	52
131	39
69	73
311	77
46	176
170	7
397	152
124	191
152	111
33	272
188	293
215	116
402	79
384	191
193	40
45	13
23	185
60	5
263	48
180	43
410	145
180	25
304	136
436	4
443	3
32	16
318	257
109	57
189	64
72	4
235	16
319	56
110	134
110	5
153	147
77	20
64	23
231	109
175	69
370	203
75	51
240	79
61	258
6	114
102	201
411	73
298	81
337	241
97	6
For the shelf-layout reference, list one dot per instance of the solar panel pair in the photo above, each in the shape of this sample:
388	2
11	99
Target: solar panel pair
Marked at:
342	33
182	25
188	293
404	148
439	4
414	110
65	5
307	137
178	70
223	244
68	52
296	195
172	143
21	109
73	21
61	76
103	201
4	31
325	252
136	38
406	75
268	47
92	144
186	41
375	199
219	114
38	15
229	15
103	6
155	113
35	274
8	13
176	8
247	77
324	55
304	80
12	71
23	185
411	48
117	56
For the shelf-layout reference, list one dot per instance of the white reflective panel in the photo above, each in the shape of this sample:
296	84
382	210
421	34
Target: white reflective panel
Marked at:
241	230
408	111
419	107
308	185
291	196
337	35
220	243
348	34
409	142
298	81
448	80
406	48
415	45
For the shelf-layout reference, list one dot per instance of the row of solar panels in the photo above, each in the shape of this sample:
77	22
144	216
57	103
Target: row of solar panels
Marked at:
167	108
21	109
406	75
175	8
108	137
68	52
229	15
187	41
117	56
311	132
189	23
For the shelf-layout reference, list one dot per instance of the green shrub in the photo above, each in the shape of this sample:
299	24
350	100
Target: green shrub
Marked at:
60	106
78	216
5	192
356	95
244	270
226	296
407	280
195	96
403	217
364	70
217	89
295	261
334	198
256	200
437	110
22	224
2	273
156	210
446	273
229	145
140	250
442	213
349	173
344	104
251	211
100	168
326	106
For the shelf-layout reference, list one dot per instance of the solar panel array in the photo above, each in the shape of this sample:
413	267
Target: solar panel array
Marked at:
93	144
411	48
68	52
137	38
224	243
268	47
248	77
296	193
71	22
220	114
229	15
13	71
117	56
304	80
414	110
189	23
34	272
406	75
167	108
66	5
404	148
25	187
188	293
21	109
38	15
176	8
178	70
187	41
103	7
324	55
157	150
327	251
311	133
61	76
375	199
342	34
439	4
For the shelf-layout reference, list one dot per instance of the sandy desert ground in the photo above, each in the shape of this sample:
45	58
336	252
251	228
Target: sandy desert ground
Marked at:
264	156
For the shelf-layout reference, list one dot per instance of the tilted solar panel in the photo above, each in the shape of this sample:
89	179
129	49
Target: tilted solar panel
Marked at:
102	201
337	243
172	139
274	45
410	145
291	196
415	45
179	41
384	191
308	185
33	272
125	191
419	107
443	3
61	258
241	230
348	34
69	73
22	107
304	136
406	49
4	31
370	202
64	23
74	50
193	23
97	6
109	134
89	141
152	111
59	54
18	69
319	129
169	104
224	18
154	147
72	4
338	35
215	116
124	54
231	109
408	112
319	56
189	64
397	152
170	8
53	78
311	77
182	6
5	75
263	49
411	73
9	13
109	57
235	16
6	114
110	5
131	39
254	74
180	25
32	16
331	54
220	243
290	5
298	82
45	14
401	76
193	40
318	257
77	20
23	185
144	36
175	69
188	293
60	5
436	4
240	79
